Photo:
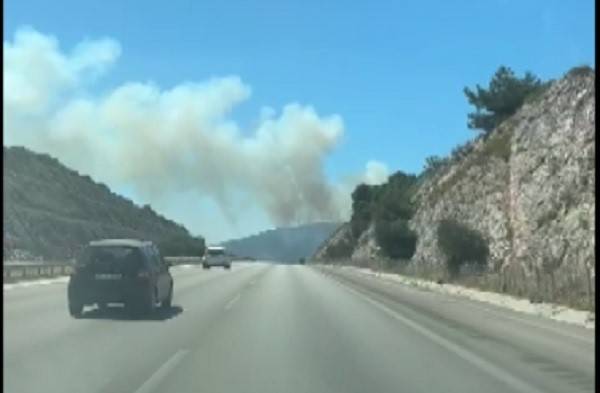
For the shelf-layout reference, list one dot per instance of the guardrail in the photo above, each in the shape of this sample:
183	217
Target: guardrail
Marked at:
19	270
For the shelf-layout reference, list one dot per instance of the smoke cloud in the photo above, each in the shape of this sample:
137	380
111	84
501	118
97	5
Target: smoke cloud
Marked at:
166	141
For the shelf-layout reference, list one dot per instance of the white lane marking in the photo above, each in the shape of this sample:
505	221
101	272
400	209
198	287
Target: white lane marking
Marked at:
232	302
478	304
33	283
533	324
151	384
463	353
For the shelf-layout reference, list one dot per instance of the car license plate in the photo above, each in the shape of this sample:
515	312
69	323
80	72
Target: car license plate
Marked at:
108	276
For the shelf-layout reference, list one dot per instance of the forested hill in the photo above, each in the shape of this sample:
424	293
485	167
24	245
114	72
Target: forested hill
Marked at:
50	211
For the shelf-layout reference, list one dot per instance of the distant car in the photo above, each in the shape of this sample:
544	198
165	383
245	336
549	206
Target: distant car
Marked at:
127	271
216	256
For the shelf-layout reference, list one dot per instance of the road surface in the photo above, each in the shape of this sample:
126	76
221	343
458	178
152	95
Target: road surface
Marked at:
272	328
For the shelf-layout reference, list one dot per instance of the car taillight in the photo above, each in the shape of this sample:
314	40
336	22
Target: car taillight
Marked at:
144	274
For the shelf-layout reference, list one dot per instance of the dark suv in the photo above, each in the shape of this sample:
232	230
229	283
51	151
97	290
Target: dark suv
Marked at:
125	271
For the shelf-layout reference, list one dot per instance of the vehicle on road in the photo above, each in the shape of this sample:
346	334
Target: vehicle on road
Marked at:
127	271
216	256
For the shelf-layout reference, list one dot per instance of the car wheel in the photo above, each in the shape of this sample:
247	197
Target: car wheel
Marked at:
75	309
205	266
149	308
227	267
169	300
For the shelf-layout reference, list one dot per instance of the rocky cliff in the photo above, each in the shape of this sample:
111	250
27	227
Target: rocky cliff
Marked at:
527	187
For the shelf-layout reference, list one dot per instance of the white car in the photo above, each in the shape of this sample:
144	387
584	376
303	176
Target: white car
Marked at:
216	256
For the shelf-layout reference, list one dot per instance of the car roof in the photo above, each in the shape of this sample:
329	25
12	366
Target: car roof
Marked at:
119	242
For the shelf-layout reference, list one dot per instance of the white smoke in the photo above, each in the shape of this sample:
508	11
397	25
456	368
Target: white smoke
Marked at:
166	141
376	173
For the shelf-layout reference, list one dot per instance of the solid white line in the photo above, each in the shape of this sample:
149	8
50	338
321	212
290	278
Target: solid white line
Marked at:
533	324
152	382
232	302
461	352
478	304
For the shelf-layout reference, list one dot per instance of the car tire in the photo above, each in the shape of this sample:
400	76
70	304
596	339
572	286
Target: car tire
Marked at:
166	304
151	302
75	309
227	267
206	267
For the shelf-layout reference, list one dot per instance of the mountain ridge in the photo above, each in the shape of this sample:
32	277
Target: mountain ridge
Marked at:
284	244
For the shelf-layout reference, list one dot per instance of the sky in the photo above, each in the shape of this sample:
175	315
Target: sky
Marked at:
286	105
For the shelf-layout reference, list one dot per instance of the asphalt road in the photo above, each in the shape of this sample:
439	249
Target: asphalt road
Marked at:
273	328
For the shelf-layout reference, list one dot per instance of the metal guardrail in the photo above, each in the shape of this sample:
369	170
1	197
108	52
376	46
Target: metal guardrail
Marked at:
18	270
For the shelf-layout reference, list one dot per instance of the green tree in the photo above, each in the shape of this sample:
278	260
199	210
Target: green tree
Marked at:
503	97
362	197
392	211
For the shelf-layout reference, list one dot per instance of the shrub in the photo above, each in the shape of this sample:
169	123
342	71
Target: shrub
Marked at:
499	145
396	239
433	164
461	245
362	197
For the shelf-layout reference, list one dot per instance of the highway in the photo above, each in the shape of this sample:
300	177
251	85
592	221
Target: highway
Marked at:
263	328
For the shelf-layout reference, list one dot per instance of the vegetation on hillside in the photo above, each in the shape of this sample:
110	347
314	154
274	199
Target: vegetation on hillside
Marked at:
51	211
505	94
287	245
390	206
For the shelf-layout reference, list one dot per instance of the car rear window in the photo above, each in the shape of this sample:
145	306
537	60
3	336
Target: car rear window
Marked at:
215	252
112	259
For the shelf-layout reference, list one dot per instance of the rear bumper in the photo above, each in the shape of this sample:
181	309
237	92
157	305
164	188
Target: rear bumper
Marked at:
221	264
90	292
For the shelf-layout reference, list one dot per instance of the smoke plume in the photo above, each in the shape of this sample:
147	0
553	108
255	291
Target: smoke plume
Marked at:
166	141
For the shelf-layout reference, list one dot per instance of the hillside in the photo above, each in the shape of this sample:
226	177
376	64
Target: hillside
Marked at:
527	188
51	210
283	244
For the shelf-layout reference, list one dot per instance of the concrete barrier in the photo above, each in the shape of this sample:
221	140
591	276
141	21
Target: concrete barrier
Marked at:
21	270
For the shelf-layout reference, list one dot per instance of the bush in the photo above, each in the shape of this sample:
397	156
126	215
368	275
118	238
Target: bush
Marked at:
461	245
499	145
434	163
396	239
390	206
362	197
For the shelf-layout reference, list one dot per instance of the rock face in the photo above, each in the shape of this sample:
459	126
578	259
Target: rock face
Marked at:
527	187
338	247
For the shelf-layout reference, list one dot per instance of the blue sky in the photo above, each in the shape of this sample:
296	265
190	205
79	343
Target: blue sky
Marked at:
394	72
